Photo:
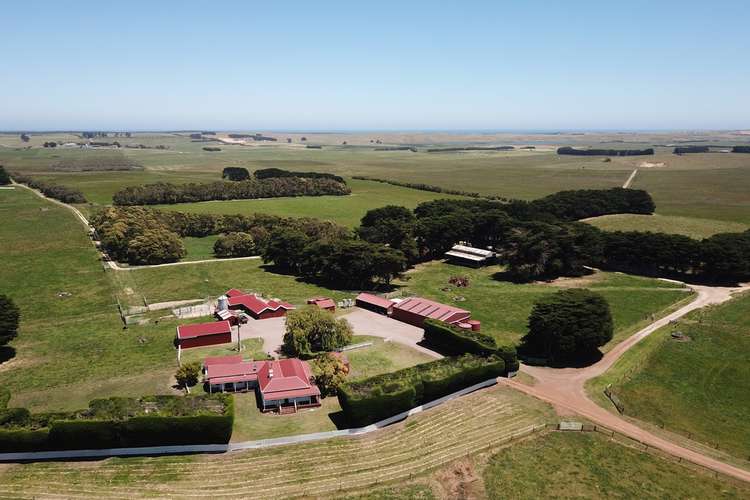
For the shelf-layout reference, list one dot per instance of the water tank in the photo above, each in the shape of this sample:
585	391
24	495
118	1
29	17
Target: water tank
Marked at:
223	303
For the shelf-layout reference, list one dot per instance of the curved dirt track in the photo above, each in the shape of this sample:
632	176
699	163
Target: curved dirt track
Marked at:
565	387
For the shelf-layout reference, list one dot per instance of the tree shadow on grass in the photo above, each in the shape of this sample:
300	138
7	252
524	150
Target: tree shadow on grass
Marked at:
339	419
582	361
6	354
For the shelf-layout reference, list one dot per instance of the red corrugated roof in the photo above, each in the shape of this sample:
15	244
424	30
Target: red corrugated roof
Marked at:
374	300
291	377
430	309
288	375
234	292
256	305
242	371
222	360
203	329
322	302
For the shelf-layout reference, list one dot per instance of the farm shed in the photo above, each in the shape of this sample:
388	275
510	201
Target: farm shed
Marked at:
414	310
203	334
469	256
258	308
374	303
323	303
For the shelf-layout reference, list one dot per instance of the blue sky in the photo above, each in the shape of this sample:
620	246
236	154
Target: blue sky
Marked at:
507	65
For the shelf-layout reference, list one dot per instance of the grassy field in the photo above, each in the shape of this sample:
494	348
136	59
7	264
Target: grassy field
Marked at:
200	248
71	344
345	210
698	388
504	307
589	465
672	224
320	470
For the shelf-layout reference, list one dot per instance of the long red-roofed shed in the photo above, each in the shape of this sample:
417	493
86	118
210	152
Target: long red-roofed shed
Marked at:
415	310
374	303
203	334
258	308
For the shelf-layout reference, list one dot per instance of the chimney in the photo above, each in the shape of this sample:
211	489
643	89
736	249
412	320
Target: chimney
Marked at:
270	373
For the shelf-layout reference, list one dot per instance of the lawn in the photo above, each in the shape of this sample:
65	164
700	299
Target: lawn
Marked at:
672	224
589	465
200	248
504	307
699	388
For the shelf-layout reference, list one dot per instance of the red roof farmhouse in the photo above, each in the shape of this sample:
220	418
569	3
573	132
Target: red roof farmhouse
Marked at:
202	334
280	383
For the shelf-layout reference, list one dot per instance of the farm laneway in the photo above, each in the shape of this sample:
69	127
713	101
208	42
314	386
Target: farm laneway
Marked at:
565	388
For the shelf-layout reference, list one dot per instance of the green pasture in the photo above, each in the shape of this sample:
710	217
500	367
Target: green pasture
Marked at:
670	224
698	388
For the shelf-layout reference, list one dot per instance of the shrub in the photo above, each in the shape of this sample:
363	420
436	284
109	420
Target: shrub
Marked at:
453	340
330	372
235	245
235	174
4	177
568	326
188	374
211	149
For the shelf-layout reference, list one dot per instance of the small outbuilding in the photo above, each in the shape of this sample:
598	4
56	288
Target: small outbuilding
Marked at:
469	256
203	334
374	303
323	303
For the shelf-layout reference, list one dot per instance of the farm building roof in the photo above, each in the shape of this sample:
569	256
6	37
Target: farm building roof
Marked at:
222	360
322	302
203	329
430	309
286	378
234	292
242	371
256	305
374	300
469	253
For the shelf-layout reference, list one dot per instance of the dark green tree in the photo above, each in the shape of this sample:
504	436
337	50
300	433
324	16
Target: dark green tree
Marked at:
568	326
9	318
4	177
235	245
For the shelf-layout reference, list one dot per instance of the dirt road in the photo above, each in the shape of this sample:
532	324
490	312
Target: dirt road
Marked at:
630	179
565	388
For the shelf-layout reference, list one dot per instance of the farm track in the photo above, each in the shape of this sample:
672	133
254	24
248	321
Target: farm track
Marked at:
397	453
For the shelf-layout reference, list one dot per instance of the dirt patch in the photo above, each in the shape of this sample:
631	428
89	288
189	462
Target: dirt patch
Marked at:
578	282
460	480
649	164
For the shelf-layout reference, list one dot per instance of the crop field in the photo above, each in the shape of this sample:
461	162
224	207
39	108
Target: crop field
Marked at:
589	465
697	388
504	307
399	453
673	224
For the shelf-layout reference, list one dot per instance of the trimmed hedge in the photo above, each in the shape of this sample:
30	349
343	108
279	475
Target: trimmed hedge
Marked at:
120	423
567	150
375	398
451	340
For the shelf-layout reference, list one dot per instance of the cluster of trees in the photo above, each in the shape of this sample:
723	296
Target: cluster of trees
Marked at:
568	327
4	177
472	148
51	190
235	245
137	235
211	149
235	174
427	187
567	150
680	150
270	173
166	193
721	258
50	144
311	330
342	261
741	149
9	319
25	138
583	203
